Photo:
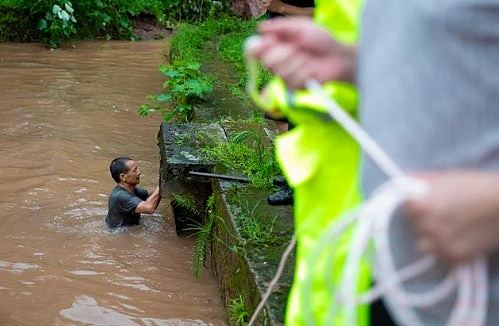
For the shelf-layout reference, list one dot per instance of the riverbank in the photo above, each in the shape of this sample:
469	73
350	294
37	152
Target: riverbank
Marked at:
236	228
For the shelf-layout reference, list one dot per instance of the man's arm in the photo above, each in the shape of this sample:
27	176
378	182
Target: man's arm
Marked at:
285	9
150	204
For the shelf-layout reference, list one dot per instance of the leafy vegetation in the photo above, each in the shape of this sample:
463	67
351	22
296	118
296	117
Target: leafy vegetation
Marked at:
255	230
231	51
247	152
230	34
186	202
204	235
236	310
189	39
58	25
112	19
185	86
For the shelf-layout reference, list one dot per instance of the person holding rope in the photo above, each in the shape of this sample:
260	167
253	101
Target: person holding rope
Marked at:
429	87
321	163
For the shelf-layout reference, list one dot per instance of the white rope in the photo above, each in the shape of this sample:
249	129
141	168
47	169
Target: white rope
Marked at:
274	281
373	223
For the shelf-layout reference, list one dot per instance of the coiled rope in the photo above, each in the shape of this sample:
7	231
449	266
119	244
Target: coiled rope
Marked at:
371	222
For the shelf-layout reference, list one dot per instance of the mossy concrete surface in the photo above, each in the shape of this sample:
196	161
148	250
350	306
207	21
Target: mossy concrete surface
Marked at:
181	151
244	268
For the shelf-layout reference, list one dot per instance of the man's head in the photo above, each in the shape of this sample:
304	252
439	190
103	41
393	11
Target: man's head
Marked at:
124	169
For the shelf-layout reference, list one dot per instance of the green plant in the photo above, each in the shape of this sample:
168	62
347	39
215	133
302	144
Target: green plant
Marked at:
193	10
112	19
185	86
253	231
59	24
186	202
231	51
236	310
248	153
203	238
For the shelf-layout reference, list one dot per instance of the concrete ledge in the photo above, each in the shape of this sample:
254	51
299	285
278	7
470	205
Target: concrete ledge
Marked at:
246	269
181	148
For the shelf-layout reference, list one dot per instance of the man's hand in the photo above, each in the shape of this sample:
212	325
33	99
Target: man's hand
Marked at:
459	218
151	203
297	50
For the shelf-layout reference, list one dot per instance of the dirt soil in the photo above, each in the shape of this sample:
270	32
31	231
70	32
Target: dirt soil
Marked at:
146	28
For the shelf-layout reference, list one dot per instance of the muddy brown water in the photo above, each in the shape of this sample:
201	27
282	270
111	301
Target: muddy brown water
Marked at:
64	115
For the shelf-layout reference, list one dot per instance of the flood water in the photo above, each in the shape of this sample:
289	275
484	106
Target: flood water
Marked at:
64	115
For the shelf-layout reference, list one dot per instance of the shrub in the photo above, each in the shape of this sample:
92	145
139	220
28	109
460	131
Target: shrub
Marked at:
185	86
59	24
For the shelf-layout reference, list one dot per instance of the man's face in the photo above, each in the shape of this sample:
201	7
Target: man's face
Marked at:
132	176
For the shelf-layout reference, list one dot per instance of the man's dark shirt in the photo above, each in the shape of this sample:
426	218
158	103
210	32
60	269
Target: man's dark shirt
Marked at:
122	205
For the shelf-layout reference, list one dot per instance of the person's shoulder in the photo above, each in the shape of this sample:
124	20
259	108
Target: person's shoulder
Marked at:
116	191
119	193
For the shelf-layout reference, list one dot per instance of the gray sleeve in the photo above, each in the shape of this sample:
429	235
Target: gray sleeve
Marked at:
141	193
128	202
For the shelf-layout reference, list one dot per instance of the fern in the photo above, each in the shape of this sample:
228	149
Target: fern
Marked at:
203	239
186	202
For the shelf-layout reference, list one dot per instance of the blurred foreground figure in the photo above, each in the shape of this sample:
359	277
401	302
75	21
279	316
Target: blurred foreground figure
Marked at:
429	82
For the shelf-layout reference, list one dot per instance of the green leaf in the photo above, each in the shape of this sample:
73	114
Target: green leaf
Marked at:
169	116
63	15
164	68
163	98
42	24
193	66
105	19
177	88
144	110
68	7
172	73
194	86
124	22
242	136
183	108
56	9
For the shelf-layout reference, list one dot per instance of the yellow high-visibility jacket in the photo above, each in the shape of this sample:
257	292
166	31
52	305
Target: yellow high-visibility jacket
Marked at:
321	163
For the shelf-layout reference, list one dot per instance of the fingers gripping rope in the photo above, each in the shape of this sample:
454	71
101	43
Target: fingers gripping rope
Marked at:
371	222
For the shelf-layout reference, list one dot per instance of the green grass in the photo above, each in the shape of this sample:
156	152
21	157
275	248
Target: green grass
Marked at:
204	236
186	202
231	50
236	310
247	152
255	230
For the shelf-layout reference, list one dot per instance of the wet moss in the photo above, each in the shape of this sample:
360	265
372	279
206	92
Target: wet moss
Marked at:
248	270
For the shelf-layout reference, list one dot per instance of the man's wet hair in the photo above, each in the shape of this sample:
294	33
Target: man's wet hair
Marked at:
119	166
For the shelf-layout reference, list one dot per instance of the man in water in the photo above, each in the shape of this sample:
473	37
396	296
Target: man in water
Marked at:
127	201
